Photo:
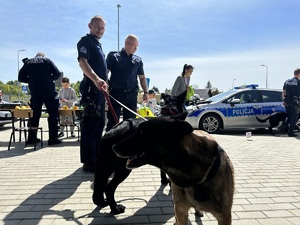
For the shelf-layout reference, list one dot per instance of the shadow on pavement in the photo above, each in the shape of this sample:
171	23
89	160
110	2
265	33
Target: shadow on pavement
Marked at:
39	204
158	200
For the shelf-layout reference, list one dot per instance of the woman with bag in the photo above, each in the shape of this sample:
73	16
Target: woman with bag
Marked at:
182	82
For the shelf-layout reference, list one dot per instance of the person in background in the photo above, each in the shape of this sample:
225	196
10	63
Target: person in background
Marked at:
291	101
152	103
92	63
1	99
67	97
40	72
182	82
125	68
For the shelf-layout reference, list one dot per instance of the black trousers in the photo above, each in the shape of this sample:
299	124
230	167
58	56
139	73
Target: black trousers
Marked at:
293	111
93	122
52	104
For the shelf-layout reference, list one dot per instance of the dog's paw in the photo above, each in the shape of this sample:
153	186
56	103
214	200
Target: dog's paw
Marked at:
118	209
100	203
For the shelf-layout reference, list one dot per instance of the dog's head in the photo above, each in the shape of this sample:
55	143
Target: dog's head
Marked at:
170	145
172	104
120	131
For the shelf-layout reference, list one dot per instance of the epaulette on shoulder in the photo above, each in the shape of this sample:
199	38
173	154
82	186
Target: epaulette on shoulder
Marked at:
136	58
113	52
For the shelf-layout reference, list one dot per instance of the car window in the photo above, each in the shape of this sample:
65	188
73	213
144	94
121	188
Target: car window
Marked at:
220	96
271	96
245	97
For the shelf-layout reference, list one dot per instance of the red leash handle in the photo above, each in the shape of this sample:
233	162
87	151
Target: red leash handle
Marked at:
110	105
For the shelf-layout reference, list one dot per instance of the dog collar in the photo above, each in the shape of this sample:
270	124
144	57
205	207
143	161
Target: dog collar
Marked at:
214	168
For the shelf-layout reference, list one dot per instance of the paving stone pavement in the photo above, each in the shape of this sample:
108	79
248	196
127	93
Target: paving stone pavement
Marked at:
48	187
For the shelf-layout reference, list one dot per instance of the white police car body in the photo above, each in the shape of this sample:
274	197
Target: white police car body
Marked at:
237	108
5	118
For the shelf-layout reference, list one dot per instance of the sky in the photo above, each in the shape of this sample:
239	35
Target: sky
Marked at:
226	41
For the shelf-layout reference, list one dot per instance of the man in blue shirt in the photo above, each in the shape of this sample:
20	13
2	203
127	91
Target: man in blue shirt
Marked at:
291	95
125	68
92	62
40	72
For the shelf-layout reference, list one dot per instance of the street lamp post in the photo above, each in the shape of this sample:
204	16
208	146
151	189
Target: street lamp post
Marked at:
21	50
233	83
119	6
266	75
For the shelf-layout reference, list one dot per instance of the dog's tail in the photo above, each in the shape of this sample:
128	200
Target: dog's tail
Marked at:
262	121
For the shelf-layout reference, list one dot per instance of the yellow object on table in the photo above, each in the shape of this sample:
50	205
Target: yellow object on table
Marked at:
145	112
23	107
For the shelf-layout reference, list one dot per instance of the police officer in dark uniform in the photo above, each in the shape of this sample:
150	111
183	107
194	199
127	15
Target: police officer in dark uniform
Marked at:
40	72
92	62
291	96
125	68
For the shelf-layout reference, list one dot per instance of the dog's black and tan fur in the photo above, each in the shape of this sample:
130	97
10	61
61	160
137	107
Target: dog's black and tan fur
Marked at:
200	171
108	163
275	119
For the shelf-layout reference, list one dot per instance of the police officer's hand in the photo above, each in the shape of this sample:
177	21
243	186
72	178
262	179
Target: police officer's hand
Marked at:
146	97
101	84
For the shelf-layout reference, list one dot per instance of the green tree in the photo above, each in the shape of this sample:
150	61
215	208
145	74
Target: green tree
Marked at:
208	85
76	87
215	91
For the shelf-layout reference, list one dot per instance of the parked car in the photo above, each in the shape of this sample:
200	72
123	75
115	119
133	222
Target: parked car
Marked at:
5	114
5	118
237	108
22	103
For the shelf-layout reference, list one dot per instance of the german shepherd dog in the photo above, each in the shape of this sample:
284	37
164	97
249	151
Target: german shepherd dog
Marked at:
275	119
200	171
109	163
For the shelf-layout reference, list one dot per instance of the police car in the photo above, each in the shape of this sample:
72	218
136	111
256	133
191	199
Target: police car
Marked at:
5	118
236	108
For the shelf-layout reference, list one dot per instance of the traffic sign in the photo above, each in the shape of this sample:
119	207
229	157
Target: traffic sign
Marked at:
24	88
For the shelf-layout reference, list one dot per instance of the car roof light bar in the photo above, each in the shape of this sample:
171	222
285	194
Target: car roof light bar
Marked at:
252	86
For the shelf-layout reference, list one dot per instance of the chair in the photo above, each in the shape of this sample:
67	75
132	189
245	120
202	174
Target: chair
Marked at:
24	116
64	114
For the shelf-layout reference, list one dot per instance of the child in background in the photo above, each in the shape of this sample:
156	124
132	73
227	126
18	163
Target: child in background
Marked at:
152	104
67	96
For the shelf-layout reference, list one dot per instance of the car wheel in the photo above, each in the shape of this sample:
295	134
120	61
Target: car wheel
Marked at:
210	123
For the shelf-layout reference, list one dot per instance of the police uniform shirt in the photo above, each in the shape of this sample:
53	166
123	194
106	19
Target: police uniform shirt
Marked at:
292	88
89	48
124	70
40	72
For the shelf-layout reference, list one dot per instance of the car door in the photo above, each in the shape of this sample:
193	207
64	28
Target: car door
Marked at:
271	102
243	114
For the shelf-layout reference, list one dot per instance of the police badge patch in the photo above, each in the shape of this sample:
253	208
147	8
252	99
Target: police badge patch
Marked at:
83	50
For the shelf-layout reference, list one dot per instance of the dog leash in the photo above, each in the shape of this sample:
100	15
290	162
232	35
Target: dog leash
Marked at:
106	95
